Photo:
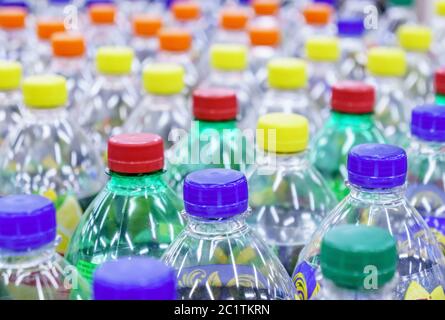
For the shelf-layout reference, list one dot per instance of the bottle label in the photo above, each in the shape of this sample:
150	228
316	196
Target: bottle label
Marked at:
86	269
305	281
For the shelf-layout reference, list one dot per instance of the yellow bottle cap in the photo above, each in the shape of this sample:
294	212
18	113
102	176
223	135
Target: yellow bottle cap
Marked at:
10	75
282	133
322	49
287	73
440	7
114	60
45	91
415	37
163	78
229	57
387	62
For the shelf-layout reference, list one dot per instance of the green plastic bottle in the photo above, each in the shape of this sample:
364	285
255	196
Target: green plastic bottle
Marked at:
351	123
137	213
439	83
214	140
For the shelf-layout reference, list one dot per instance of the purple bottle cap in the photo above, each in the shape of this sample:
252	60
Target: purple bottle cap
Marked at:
93	2
14	3
215	193
375	166
57	2
428	123
27	222
137	278
330	2
350	27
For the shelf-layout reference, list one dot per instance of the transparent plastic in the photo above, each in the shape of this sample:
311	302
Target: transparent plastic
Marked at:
224	259
289	199
145	50
103	35
134	215
16	46
49	154
394	17
259	56
421	263
10	115
295	46
353	58
438	26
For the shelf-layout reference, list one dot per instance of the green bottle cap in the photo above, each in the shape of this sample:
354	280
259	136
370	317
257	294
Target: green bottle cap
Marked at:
401	2
357	256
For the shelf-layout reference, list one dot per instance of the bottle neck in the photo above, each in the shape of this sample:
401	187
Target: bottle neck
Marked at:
427	147
50	115
377	195
25	259
351	119
332	291
440	99
271	161
213	227
136	184
203	125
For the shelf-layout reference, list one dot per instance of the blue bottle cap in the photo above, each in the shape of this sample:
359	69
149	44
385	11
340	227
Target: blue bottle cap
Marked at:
330	2
137	278
215	193
375	166
350	27
27	222
93	2
428	123
14	3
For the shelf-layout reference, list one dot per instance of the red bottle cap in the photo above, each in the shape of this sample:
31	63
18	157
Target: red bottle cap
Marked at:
439	81
214	104
353	97
135	153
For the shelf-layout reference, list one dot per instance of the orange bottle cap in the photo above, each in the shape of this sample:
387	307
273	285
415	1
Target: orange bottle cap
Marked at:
146	25
266	7
318	13
46	28
12	18
66	44
186	10
102	13
175	40
265	36
234	19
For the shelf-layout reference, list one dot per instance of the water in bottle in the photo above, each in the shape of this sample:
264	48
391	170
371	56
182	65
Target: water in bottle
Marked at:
232	26
398	13
369	247
438	25
288	196
10	97
30	268
145	37
439	86
46	27
163	108
377	177
14	37
426	176
351	122
50	154
134	279
136	214
218	256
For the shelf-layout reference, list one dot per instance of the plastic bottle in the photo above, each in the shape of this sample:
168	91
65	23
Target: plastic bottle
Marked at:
136	214
386	70
288	196
50	154
134	279
10	80
218	256
30	268
376	177
370	248
145	37
112	97
438	25
323	56
439	86
232	26
214	140
14	36
163	109
398	13
426	176
416	40
56	8
267	12
351	122
46	27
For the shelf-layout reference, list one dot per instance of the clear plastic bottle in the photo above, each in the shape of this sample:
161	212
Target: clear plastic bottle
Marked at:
267	12
10	96
163	109
323	56
69	60
134	279
351	35
426	176
386	70
214	140
439	86
136	214
351	122
288	196
45	28
416	40
438	26
30	268
112	97
232	26
230	69
218	256
376	177
374	252
287	80
50	154
398	13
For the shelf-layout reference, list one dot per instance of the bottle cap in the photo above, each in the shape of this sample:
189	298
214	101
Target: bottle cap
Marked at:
215	104
45	91
187	10
264	36
134	153
287	73
317	14
353	97
138	278
102	13
440	7
176	40
351	27
12	18
114	60
401	2
266	7
387	62
146	25
323	49
377	166
439	81
428	123
348	251
228	57
233	19
21	4
163	78
415	37
46	28
10	75
27	222
68	45
282	133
